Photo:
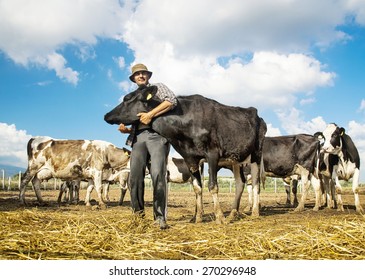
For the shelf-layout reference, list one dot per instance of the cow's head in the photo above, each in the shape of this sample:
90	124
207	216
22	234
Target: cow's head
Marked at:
140	100
332	138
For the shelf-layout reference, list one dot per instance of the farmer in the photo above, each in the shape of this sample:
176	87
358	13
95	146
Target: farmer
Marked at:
149	146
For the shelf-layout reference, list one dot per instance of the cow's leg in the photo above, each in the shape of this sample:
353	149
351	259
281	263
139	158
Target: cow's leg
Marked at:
198	189
238	192
98	187
122	195
294	187
339	195
256	189
305	186
106	192
250	201
317	190
61	192
37	189
89	189
338	189
76	185
23	184
123	181
70	192
287	191
213	187
326	189
355	190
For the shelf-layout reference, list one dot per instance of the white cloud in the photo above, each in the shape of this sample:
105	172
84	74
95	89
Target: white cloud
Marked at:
233	55
362	105
267	80
13	145
120	61
214	28
357	133
293	122
35	31
57	63
272	131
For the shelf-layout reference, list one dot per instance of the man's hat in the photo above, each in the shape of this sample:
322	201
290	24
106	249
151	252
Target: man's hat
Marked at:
139	67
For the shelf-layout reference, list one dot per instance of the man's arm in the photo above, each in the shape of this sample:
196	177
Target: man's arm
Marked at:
163	107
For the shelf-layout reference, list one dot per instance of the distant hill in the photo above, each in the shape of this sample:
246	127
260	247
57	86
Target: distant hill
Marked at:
10	171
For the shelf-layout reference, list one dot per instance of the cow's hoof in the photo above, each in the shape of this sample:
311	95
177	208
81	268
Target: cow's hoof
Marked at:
255	214
359	210
103	206
247	209
315	208
220	221
196	219
234	213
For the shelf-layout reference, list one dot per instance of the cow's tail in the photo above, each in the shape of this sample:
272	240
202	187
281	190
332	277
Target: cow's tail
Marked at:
262	172
316	171
29	148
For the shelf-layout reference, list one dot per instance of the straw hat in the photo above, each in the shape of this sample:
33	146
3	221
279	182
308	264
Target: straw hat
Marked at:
139	67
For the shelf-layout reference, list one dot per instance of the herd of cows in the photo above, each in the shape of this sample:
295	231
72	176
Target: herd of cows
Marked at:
203	130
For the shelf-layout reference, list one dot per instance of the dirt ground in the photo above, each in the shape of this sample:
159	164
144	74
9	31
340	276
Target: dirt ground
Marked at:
279	232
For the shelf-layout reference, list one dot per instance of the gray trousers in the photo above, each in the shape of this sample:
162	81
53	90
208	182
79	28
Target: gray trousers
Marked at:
151	147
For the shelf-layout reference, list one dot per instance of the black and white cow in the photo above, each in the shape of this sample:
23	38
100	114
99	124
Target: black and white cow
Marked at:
341	161
201	128
289	156
70	160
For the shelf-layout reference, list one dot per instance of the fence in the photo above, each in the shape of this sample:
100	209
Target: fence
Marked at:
13	182
226	184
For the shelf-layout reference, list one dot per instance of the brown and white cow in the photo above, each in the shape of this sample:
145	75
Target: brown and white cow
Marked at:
70	160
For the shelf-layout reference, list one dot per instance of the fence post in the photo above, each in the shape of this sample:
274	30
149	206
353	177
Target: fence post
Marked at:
3	179
20	179
275	186
9	186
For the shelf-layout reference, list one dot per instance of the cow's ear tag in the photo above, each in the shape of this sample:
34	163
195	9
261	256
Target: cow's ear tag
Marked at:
341	133
126	153
149	96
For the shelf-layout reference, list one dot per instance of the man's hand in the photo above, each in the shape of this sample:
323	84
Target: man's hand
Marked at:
123	129
145	118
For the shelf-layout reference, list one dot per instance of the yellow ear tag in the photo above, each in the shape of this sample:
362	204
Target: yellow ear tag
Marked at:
149	96
126	153
342	133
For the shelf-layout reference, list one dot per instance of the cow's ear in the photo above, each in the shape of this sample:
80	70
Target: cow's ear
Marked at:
342	131
126	152
319	135
149	92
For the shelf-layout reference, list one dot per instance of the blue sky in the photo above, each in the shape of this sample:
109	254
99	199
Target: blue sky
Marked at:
64	64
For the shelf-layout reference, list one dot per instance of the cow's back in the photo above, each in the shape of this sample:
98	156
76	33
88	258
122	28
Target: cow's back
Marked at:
200	122
282	154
